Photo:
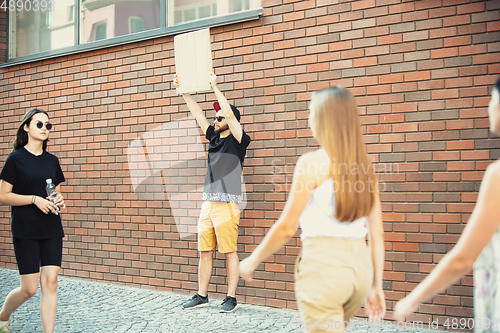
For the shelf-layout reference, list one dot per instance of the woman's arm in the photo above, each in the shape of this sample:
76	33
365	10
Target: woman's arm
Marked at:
7	197
302	186
483	223
375	304
12	199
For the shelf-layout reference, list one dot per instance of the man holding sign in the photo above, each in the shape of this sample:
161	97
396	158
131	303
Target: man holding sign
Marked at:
219	217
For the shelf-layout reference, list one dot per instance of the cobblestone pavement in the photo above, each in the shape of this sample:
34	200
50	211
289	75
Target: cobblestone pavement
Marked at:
99	307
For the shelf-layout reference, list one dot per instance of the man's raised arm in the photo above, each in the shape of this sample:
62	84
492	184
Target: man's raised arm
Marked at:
232	122
195	109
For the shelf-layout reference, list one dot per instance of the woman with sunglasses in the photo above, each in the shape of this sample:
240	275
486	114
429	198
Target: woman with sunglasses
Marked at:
36	224
335	200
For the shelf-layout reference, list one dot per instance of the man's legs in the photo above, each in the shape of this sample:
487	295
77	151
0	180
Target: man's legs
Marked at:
206	247
218	224
205	271
233	272
226	230
227	234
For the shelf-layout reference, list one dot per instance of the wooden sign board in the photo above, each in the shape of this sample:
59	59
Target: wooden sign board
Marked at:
193	61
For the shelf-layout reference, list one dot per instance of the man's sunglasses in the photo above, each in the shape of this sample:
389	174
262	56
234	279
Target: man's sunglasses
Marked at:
219	119
48	126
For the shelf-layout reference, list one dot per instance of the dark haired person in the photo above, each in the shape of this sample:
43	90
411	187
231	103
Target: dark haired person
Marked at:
478	248
36	224
220	214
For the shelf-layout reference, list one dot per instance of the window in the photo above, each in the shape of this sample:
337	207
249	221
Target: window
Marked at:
71	26
38	31
135	24
189	10
190	14
99	31
240	5
204	12
122	17
71	13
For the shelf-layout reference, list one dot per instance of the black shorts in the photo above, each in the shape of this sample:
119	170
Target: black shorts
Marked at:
33	253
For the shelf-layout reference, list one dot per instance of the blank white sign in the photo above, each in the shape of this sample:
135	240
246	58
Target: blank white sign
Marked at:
193	61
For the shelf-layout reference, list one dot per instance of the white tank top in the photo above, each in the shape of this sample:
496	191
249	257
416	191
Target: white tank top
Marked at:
317	218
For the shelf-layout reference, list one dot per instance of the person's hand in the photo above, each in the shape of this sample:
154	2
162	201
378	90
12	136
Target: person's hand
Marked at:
404	308
59	201
375	305
247	267
212	78
45	205
176	81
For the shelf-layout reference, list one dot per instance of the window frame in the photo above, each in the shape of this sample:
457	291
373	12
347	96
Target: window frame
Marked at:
164	30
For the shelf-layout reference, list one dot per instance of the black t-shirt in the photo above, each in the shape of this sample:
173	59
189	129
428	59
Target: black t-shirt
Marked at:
225	163
27	174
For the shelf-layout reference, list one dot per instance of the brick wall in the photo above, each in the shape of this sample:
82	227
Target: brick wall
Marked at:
421	71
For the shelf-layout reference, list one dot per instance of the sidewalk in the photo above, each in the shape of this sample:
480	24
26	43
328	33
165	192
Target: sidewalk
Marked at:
99	307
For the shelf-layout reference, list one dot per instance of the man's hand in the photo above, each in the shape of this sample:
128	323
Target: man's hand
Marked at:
176	81
177	85
212	78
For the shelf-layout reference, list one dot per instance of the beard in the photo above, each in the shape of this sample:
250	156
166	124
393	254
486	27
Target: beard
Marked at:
221	128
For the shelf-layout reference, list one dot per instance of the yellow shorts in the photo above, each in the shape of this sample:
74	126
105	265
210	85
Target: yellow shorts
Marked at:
218	226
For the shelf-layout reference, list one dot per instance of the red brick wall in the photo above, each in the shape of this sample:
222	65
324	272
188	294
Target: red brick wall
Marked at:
422	72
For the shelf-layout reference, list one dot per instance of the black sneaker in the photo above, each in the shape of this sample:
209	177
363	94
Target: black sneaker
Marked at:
197	301
229	304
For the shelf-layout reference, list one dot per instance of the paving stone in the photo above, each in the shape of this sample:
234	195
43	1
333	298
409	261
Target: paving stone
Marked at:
90	307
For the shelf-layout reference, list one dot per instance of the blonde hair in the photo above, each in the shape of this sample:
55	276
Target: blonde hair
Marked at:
335	124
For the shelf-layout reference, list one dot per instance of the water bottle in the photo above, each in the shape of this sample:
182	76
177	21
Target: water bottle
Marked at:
51	192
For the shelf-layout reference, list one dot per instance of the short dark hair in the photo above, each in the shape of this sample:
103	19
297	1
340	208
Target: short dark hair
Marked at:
497	85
